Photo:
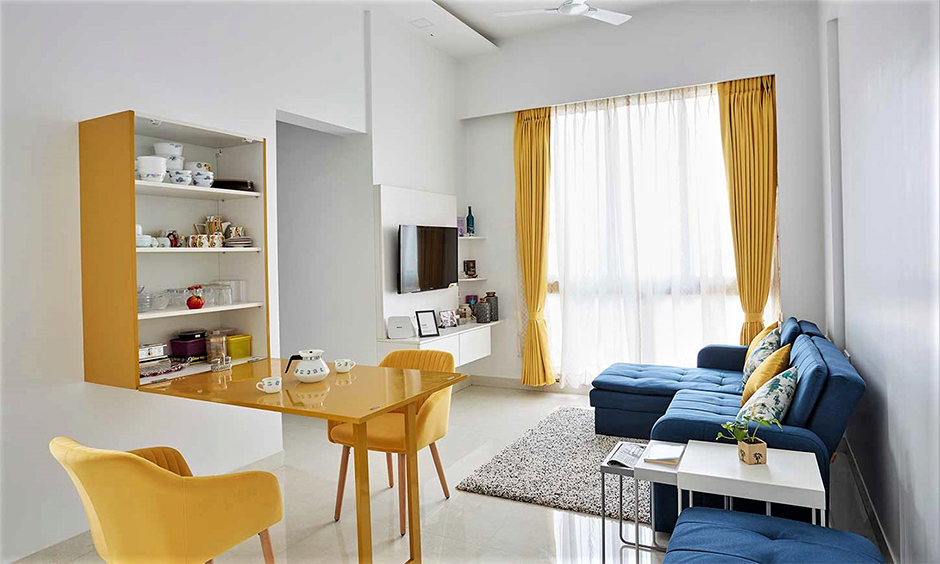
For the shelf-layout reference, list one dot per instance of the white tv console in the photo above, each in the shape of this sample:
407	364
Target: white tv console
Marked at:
466	342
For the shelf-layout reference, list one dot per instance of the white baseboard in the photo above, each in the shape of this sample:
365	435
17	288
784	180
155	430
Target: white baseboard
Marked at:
879	531
513	384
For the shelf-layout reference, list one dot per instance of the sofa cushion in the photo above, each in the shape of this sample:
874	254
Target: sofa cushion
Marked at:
774	364
704	534
767	346
655	380
844	387
789	331
772	399
805	356
755	342
809	328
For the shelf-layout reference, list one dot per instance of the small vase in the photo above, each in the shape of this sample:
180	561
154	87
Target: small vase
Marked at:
753	453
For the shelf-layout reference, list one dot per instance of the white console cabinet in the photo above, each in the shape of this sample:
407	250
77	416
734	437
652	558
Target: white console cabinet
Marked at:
466	342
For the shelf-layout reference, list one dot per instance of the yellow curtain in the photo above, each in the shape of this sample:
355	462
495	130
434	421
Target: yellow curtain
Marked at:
532	172
749	141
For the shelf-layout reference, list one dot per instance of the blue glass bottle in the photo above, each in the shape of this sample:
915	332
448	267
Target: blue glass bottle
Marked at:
470	230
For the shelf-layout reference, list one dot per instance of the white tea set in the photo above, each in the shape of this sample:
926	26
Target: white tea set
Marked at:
167	166
310	369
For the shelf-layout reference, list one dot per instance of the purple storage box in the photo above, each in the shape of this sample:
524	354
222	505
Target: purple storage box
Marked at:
195	347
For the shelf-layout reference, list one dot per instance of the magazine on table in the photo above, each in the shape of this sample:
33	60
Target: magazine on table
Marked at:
626	455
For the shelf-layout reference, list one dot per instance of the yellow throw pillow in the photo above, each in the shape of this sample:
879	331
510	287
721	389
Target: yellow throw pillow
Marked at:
772	365
756	340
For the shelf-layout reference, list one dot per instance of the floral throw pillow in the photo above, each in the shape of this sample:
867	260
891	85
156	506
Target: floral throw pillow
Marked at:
772	400
768	345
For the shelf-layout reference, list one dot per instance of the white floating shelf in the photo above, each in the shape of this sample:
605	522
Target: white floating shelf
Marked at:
471	279
167	250
176	312
471	238
148	188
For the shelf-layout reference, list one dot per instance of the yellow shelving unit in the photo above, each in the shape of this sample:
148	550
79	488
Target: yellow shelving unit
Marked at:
112	202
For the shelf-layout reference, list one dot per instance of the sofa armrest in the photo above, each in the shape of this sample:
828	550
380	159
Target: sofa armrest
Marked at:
680	429
722	357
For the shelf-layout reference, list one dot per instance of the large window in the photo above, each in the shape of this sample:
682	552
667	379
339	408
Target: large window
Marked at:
641	263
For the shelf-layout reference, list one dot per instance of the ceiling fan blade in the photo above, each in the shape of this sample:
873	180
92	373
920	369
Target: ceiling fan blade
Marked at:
527	12
607	16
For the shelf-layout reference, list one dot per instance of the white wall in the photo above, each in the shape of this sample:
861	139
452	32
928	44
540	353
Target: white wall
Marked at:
325	244
66	62
415	132
666	46
888	79
417	142
489	186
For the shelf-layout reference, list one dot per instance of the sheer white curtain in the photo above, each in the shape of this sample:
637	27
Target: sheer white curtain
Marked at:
640	242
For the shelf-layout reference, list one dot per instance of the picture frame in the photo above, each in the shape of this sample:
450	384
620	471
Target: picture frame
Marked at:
427	323
448	318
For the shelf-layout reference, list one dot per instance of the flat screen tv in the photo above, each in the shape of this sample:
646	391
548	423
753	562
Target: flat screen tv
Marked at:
427	258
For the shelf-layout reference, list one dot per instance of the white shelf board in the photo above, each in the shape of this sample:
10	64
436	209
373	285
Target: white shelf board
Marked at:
449	332
170	250
167	190
470	280
182	132
471	238
190	370
176	312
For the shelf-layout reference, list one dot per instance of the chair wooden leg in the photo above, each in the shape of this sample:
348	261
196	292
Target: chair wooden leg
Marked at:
266	547
388	461
440	469
341	486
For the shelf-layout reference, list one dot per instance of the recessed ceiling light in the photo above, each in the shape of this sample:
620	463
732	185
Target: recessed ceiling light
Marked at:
421	23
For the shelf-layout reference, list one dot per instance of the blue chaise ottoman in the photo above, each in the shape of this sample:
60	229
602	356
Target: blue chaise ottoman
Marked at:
704	534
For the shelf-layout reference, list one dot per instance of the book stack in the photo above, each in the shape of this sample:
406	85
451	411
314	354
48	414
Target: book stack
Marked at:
664	454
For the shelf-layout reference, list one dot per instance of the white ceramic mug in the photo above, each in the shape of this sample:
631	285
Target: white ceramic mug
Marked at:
270	385
344	365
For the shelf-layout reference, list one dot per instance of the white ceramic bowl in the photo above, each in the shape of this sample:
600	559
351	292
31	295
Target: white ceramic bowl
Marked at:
151	164
152	176
198	166
183	177
173	162
144	240
168	148
203	179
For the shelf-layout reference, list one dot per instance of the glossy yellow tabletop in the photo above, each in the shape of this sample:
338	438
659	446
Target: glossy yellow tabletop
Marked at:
354	397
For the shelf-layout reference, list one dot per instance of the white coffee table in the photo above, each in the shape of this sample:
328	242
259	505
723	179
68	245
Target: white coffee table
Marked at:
790	477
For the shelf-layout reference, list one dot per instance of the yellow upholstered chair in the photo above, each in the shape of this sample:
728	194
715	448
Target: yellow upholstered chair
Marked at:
146	506
386	433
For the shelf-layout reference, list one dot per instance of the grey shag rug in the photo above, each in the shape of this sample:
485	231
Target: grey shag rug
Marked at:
557	464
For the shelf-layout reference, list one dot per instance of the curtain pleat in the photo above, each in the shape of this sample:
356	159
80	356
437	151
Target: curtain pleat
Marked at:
749	143
531	149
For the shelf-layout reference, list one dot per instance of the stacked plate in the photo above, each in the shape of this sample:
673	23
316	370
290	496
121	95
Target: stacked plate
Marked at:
238	242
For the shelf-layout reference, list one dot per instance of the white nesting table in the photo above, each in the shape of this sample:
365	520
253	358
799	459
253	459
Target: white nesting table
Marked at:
789	477
651	472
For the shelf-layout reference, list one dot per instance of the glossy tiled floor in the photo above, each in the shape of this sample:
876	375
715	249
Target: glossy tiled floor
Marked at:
467	527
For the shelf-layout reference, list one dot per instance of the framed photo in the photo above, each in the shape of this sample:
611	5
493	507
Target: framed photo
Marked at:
427	323
448	318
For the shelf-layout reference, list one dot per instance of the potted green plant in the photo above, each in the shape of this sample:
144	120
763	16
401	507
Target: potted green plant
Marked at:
751	450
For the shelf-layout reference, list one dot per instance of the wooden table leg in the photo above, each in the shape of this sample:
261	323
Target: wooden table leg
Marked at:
363	506
414	506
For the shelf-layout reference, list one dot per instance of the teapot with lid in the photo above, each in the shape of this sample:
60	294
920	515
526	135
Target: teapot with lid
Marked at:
310	367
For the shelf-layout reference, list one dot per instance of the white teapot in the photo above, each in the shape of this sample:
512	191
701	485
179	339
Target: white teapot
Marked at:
311	367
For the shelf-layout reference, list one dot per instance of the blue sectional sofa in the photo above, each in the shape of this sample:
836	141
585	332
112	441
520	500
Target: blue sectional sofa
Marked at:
682	404
713	535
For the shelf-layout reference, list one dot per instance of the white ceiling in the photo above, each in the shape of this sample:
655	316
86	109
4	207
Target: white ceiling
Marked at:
443	30
478	14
